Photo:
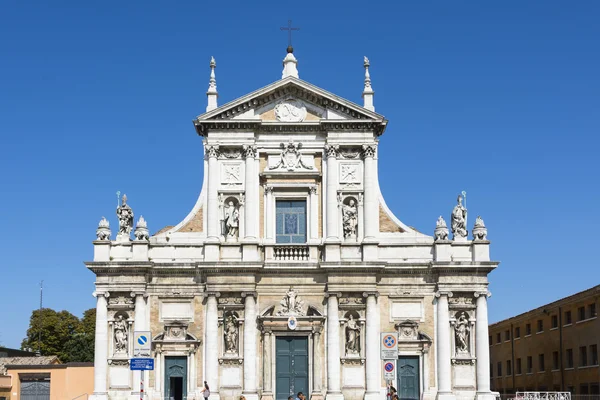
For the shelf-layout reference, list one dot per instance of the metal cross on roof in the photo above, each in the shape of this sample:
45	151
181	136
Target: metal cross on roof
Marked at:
289	29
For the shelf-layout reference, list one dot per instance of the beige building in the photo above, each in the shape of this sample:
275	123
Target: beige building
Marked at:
44	378
551	348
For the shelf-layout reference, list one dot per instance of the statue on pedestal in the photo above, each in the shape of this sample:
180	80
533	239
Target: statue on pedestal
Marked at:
461	331
350	219
231	334
352	336
232	222
459	220
290	304
125	215
120	330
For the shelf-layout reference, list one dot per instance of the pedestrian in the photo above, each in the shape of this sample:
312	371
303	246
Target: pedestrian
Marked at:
206	391
242	397
290	397
300	396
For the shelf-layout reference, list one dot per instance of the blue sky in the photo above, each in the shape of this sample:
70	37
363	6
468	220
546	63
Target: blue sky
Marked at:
500	99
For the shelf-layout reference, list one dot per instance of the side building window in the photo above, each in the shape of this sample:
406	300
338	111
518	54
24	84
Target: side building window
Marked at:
594	354
518	366
528	329
291	221
569	358
555	321
568	318
581	313
583	356
518	332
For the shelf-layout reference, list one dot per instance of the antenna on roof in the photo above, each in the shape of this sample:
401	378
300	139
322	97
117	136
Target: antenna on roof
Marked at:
39	351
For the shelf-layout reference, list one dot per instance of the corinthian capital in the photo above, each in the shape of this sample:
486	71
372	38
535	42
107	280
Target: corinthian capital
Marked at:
249	151
331	151
368	150
212	151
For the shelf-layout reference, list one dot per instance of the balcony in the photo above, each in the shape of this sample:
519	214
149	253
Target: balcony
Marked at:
294	253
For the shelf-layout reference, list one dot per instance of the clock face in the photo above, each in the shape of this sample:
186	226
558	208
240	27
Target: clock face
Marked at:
349	173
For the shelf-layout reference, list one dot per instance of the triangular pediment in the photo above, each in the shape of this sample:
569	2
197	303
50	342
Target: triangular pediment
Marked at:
290	100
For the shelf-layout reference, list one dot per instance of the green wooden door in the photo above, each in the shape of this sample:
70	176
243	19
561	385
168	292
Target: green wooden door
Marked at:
175	378
291	367
408	378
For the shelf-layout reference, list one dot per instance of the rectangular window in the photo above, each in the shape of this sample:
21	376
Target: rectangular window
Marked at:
595	389
541	363
498	338
490	340
581	313
499	368
518	332
491	370
518	366
540	325
555	360
583	356
555	321
528	329
507	335
529	364
594	354
592	310
569	358
568	318
291	221
508	367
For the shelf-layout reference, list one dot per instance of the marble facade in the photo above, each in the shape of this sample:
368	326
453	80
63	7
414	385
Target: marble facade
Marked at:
219	290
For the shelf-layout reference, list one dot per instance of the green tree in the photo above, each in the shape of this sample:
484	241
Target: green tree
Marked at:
62	334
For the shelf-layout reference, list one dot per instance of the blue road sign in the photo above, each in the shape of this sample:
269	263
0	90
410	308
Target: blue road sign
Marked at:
141	364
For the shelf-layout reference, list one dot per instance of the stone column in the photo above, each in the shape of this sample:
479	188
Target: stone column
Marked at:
158	369
249	390
314	213
332	202
211	345
443	347
251	185
213	198
371	193
267	393
139	324
317	374
333	348
372	359
101	347
482	346
269	213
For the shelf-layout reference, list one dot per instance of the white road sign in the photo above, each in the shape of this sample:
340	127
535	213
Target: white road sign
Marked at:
389	370
389	346
142	344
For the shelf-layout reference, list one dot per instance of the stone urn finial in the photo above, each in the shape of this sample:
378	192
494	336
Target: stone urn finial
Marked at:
441	229
479	229
103	231
141	230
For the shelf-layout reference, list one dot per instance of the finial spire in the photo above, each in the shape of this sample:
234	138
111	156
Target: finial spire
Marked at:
368	90
212	93
289	62
290	65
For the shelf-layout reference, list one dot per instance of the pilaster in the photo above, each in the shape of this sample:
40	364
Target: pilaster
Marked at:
250	372
482	347
373	367
211	344
444	347
333	349
101	347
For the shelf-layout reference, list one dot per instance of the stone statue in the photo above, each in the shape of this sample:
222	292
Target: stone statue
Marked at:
141	230
290	304
461	332
352	336
441	229
120	329
459	219
125	215
232	222
103	231
479	230
231	334
350	219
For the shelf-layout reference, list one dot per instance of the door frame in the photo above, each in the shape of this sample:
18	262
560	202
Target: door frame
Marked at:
420	356
164	373
274	358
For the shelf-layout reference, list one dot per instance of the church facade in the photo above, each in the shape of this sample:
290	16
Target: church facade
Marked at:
290	266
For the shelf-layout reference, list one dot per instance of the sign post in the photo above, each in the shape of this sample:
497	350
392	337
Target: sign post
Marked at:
142	360
389	346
